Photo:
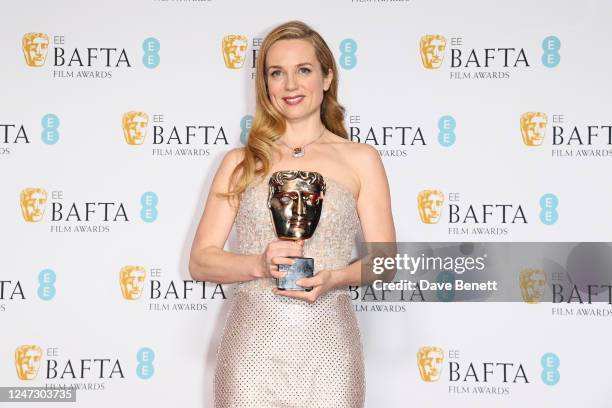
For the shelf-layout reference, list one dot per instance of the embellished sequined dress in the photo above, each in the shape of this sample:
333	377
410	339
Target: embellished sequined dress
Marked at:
277	351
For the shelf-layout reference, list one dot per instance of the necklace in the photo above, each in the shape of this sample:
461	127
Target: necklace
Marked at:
300	151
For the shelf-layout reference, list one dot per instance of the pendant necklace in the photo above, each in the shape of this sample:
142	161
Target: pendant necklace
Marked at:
300	151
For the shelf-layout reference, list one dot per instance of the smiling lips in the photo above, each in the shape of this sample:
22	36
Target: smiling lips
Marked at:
293	100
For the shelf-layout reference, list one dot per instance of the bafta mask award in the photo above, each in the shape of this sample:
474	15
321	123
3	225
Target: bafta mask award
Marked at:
295	200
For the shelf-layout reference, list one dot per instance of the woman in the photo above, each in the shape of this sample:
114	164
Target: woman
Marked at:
292	348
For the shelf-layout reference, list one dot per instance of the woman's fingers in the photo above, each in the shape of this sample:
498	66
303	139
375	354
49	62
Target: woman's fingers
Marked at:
278	256
310	282
278	260
278	252
276	274
273	267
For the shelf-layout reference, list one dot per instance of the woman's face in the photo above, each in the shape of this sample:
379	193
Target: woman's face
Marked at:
295	81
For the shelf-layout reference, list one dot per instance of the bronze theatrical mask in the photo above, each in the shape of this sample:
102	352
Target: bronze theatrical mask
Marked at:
295	200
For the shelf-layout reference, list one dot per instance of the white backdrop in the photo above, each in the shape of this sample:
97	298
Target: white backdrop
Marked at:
156	192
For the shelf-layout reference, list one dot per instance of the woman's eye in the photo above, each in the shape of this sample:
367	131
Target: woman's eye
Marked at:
274	73
305	70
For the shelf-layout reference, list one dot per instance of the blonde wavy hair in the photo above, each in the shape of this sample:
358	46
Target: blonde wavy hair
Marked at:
268	124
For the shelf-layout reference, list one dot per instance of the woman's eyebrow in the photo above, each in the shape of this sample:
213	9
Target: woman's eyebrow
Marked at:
298	65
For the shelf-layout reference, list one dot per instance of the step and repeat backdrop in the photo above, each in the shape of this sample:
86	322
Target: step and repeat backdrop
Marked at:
493	120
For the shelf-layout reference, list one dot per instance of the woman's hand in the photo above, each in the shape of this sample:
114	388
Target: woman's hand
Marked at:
320	283
277	252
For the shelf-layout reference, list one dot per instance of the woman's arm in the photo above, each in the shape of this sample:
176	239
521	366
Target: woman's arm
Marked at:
208	260
375	214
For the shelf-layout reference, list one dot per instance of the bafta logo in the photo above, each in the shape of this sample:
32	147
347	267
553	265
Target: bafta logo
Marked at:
533	127
430	204
295	200
135	127
234	49
432	50
533	284
27	361
32	201
429	360
131	280
35	47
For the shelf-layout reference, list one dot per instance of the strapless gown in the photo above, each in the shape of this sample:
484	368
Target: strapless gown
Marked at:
277	351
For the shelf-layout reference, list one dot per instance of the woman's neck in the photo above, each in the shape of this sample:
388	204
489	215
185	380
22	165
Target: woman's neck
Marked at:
302	132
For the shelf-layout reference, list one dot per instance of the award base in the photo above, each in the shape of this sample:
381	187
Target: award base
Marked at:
302	268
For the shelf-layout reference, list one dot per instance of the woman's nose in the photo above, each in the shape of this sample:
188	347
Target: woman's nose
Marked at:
291	83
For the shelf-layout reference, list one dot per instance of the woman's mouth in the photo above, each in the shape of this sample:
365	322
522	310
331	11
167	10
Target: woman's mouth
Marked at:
294	100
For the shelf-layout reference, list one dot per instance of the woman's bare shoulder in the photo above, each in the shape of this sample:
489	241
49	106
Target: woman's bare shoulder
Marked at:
354	150
335	139
226	167
231	158
361	162
236	154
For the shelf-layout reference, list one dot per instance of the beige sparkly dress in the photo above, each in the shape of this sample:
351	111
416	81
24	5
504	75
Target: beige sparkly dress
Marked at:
277	351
